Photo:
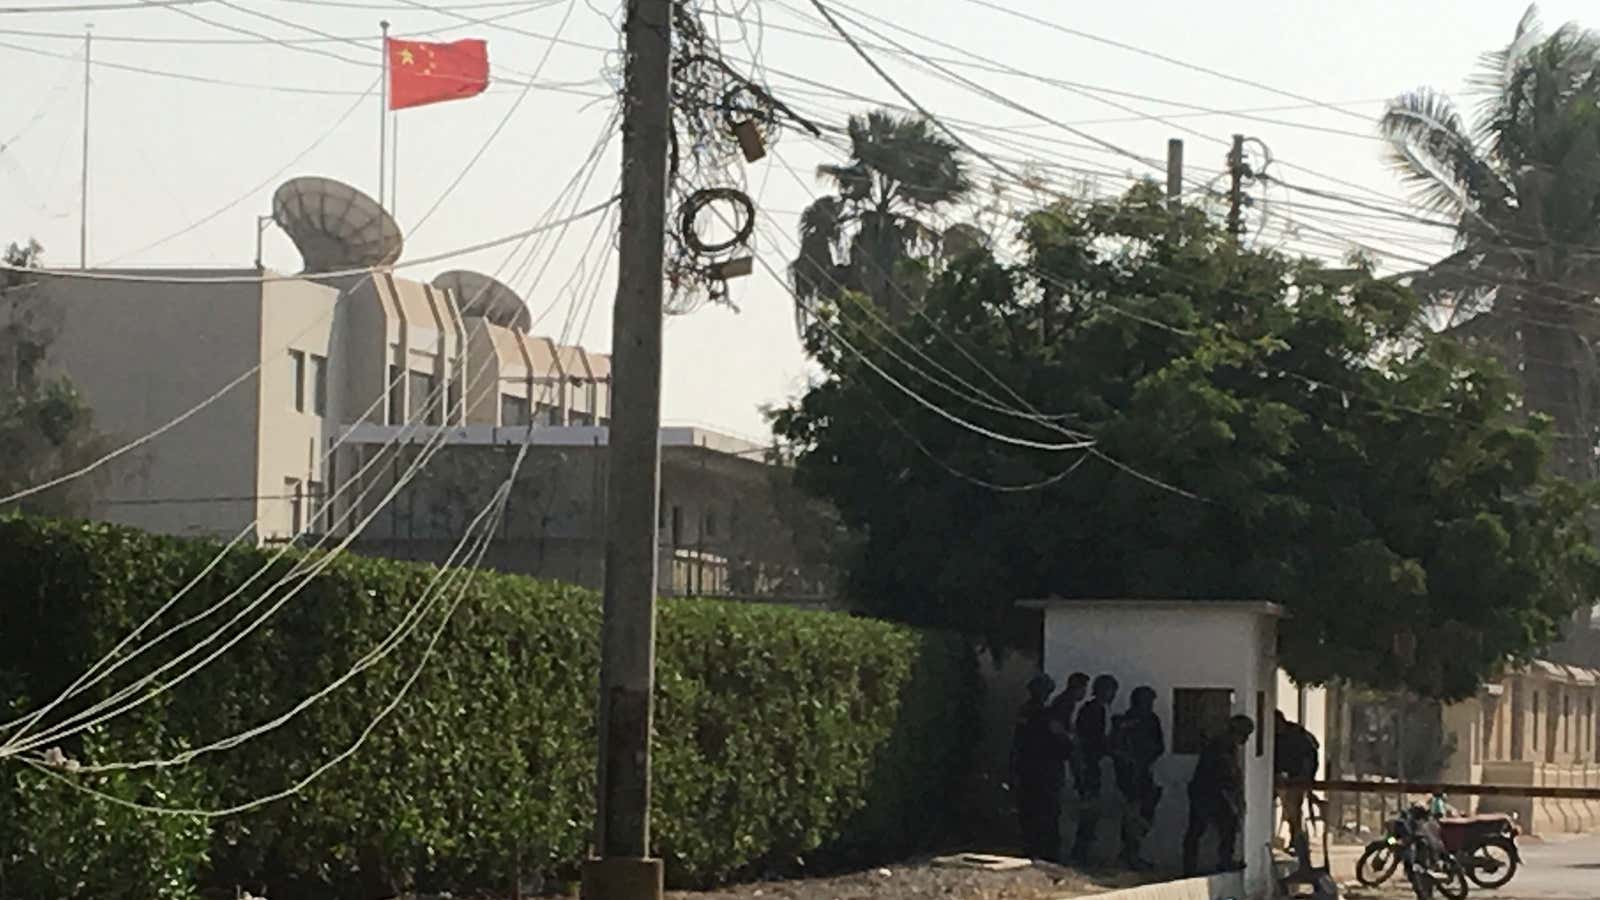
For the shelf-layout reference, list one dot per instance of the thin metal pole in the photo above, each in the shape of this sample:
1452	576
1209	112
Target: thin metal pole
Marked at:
633	490
1174	172
383	112
261	228
394	166
83	195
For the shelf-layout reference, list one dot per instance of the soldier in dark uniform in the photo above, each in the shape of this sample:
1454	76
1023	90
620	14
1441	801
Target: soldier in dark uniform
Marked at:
1091	740
1216	796
1062	709
1136	743
1038	753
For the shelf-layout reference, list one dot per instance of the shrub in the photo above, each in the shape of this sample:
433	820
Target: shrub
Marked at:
65	844
781	735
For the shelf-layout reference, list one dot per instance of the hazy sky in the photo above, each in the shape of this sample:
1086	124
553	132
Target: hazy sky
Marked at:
167	152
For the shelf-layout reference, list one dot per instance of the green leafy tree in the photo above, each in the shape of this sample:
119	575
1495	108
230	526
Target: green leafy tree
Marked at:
1262	426
45	427
874	234
1523	182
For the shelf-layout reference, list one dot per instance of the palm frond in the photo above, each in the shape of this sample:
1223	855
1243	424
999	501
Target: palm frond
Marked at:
1495	67
853	181
815	272
1431	149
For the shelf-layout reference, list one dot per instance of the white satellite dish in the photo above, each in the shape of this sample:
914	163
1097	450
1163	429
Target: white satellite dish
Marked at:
335	226
483	297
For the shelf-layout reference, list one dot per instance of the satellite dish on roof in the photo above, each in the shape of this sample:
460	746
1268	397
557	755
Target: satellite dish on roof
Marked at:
482	296
335	226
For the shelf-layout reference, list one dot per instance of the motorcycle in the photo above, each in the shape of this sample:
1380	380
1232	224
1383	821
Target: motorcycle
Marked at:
1484	847
1413	842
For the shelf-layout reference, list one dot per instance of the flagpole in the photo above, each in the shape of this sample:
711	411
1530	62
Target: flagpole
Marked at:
83	195
383	114
394	170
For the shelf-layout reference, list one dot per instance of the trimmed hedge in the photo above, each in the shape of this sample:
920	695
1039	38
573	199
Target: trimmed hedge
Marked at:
782	735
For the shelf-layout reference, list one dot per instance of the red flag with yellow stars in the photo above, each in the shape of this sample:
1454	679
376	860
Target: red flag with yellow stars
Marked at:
421	72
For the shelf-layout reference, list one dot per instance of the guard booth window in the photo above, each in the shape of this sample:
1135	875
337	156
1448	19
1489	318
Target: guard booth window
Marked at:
1198	714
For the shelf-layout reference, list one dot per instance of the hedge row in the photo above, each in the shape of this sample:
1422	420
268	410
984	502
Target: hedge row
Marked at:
782	735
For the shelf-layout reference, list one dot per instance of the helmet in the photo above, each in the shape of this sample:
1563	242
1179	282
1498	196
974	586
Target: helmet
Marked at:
1041	686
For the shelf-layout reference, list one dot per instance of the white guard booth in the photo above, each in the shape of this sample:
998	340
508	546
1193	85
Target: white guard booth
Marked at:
1207	661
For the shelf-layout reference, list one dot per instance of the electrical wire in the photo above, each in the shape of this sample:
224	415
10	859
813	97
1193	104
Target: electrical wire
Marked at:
137	278
298	48
371	659
978	62
1054	26
978	397
357	40
501	125
252	371
431	447
325	767
96	7
1006	101
84	682
259	186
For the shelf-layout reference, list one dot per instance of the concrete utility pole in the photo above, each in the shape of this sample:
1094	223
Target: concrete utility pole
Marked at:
624	869
1174	173
1236	192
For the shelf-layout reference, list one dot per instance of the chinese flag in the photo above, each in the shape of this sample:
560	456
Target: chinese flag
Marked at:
421	72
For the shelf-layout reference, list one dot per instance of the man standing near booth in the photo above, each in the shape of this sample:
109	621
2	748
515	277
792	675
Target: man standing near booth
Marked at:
1216	797
1295	758
1092	742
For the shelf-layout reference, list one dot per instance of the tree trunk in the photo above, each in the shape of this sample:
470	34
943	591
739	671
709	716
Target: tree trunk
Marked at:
1552	364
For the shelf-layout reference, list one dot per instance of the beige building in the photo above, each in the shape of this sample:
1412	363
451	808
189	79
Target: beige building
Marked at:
312	394
1538	726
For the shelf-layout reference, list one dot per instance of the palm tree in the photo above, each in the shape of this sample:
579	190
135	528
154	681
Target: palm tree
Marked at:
1523	184
861	237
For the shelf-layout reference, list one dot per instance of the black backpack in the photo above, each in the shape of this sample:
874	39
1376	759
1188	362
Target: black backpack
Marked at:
1299	753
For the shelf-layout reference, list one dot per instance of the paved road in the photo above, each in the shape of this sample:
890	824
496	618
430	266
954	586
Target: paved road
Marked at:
1563	868
1558	869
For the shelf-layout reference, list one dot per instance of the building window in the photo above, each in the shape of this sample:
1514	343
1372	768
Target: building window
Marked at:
397	397
297	371
513	410
297	505
546	414
1199	714
581	419
710	525
677	526
424	405
319	385
454	412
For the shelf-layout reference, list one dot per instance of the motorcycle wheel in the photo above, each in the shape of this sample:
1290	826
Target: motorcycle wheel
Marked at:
1377	864
1450	878
1421	882
1493	863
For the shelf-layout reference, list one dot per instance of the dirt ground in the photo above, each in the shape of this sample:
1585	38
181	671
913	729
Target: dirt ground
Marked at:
922	880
